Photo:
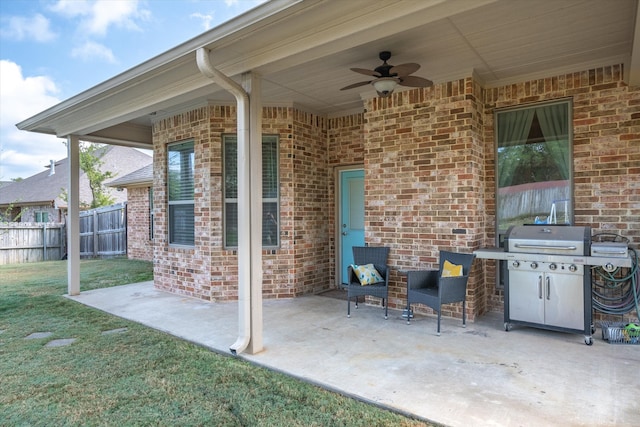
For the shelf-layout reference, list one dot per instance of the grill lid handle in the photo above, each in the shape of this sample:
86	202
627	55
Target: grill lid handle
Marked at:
562	248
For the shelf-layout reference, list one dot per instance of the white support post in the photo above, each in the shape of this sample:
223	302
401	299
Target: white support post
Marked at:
73	216
252	85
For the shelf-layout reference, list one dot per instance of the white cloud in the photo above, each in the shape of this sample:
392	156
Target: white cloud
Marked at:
99	15
206	19
23	96
23	154
32	28
90	50
72	8
120	13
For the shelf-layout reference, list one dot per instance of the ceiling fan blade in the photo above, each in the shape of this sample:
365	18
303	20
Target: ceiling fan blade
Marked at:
414	81
403	70
366	72
356	85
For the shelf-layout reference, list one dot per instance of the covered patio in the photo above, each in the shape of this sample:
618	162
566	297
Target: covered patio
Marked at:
478	375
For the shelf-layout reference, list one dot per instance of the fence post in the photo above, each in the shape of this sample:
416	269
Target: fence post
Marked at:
95	233
44	241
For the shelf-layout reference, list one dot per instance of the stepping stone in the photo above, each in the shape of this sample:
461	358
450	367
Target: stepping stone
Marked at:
60	343
114	331
37	335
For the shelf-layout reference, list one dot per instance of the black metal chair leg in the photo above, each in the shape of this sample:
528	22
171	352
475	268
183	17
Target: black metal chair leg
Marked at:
464	314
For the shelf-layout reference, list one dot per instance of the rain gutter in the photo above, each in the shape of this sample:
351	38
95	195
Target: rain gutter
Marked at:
244	218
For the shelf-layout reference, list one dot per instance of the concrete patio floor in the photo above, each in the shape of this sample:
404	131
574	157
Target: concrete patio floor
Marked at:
474	376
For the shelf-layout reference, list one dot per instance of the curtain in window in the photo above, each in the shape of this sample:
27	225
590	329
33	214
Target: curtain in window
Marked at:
553	121
513	130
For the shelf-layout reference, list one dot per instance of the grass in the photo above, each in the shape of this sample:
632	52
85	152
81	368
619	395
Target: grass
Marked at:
139	376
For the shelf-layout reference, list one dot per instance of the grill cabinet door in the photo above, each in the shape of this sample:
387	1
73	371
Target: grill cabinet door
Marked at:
564	300
526	297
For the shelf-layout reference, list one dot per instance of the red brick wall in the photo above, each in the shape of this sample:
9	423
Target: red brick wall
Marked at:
345	137
185	270
429	166
311	230
139	243
606	147
298	265
424	182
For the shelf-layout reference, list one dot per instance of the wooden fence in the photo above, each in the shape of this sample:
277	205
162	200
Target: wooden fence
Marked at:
103	233
22	242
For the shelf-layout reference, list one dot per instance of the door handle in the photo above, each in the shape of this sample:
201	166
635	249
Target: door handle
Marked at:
344	233
548	279
539	287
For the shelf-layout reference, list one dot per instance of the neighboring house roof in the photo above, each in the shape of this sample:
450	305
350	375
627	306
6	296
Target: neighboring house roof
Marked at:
142	176
45	188
303	51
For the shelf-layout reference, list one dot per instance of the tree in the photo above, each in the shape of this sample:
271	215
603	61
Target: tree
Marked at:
90	164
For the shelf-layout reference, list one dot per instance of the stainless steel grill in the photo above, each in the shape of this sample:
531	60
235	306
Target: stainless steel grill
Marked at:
548	283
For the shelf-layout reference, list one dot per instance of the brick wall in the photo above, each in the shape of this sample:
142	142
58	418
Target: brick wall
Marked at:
606	151
185	270
424	182
345	136
311	230
209	271
139	242
429	160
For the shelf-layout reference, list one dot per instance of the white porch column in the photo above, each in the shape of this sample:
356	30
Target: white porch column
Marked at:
252	85
73	216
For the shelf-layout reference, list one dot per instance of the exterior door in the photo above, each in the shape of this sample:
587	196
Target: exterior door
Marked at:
351	227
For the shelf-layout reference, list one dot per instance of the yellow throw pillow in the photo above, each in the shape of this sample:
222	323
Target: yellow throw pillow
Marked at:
451	270
367	274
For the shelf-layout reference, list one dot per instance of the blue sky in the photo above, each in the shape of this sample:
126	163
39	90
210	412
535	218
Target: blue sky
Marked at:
51	50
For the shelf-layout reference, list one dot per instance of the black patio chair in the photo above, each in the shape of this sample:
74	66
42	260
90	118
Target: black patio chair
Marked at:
363	255
430	288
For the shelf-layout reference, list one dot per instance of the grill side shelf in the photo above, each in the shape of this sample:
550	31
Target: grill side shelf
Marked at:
500	254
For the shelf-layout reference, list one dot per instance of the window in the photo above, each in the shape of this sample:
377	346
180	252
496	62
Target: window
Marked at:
180	171
270	200
534	165
42	216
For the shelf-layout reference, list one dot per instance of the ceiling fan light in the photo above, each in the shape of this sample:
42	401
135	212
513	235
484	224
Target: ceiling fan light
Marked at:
385	86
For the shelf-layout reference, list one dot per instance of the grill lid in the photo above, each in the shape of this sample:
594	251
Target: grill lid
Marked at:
548	239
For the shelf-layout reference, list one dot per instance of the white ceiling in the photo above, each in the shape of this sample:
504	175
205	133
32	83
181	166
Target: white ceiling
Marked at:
304	49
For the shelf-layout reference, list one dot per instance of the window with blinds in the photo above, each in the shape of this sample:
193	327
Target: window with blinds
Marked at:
270	188
180	172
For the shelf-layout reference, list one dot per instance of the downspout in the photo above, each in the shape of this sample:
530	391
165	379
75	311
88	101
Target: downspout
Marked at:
244	222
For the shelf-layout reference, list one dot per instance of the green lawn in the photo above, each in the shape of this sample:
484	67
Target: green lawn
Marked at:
138	376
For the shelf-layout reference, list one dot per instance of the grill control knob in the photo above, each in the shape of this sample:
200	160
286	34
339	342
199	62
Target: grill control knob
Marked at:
516	264
552	266
573	268
534	264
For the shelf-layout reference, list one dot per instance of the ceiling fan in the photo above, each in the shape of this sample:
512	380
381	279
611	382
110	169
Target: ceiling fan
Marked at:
387	76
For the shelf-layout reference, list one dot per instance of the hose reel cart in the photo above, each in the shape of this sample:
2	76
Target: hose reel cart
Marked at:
616	290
